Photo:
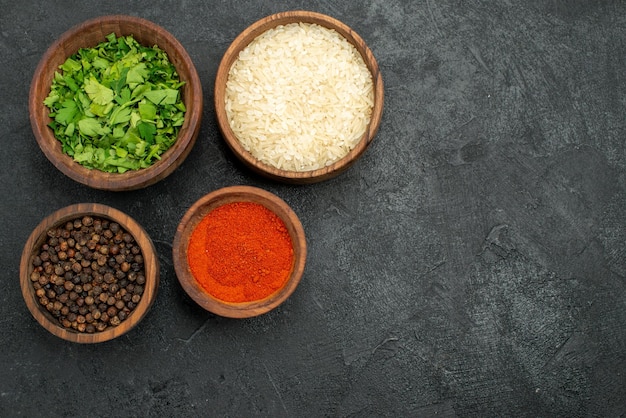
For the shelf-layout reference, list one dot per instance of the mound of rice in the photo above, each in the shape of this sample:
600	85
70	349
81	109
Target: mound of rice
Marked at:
299	97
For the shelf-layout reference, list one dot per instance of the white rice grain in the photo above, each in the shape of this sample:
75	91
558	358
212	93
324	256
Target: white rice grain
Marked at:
299	97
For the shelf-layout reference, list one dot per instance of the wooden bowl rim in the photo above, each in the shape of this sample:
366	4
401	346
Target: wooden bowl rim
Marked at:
198	211
231	54
151	265
132	179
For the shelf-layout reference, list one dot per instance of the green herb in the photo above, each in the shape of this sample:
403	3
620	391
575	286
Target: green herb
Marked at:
117	106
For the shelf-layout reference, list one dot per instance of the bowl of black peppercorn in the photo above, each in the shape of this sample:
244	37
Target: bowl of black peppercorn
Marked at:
89	273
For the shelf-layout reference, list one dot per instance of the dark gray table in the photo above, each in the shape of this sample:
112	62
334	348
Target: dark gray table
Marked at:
472	263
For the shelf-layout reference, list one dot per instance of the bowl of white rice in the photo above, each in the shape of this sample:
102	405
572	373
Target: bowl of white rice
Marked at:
298	97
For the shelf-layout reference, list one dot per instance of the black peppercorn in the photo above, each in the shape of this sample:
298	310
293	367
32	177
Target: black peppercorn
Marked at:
109	278
88	274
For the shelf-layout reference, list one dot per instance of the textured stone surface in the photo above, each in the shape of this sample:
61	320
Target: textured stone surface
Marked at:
473	263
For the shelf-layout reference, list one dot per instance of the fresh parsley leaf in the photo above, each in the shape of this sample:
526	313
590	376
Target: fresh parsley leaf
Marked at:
97	92
91	127
147	131
52	98
67	113
69	131
164	96
70	65
147	110
100	110
84	156
124	96
120	115
137	74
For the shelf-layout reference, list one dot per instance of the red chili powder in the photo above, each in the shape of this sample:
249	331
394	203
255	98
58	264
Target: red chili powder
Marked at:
240	252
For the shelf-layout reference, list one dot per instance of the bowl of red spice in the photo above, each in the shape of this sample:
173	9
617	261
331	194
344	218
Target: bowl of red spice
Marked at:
116	103
298	97
239	251
89	273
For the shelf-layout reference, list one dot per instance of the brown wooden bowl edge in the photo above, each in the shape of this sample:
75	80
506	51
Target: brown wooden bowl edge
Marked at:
135	179
297	177
215	199
130	225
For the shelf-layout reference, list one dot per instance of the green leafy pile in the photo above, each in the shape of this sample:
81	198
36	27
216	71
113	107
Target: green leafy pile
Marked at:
117	106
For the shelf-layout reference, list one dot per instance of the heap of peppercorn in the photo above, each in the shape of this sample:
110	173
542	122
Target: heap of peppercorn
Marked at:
89	274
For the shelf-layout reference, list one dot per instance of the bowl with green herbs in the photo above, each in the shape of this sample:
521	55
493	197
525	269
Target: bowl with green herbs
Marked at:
116	103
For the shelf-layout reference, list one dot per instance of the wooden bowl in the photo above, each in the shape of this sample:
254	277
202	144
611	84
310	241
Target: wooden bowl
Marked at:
221	197
231	55
89	34
59	218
